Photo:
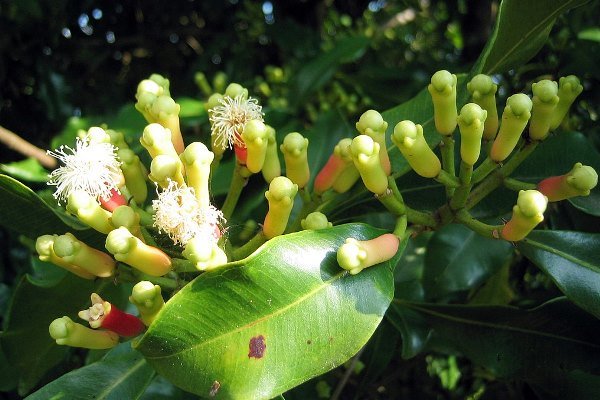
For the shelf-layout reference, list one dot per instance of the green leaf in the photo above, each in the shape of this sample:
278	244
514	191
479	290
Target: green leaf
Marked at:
29	169
190	107
459	259
522	28
265	324
592	34
550	346
25	340
571	260
122	374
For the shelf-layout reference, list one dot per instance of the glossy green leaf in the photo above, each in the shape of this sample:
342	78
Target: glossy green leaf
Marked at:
123	375
29	169
190	107
8	374
496	290
522	28
25	339
549	346
265	324
571	260
378	354
459	259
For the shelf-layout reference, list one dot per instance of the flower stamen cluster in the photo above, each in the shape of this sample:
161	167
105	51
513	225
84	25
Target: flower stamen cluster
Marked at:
228	119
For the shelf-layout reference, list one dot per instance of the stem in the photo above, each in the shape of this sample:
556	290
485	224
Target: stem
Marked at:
420	218
516	185
483	170
460	195
450	181
146	218
215	163
490	231
400	228
20	145
447	150
180	265
238	181
165	283
392	203
258	240
340	387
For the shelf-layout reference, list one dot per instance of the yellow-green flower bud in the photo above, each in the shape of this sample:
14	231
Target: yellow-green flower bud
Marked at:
165	168
315	220
202	83
147	92
97	135
409	139
356	255
577	182
69	333
157	140
147	297
545	99
219	81
256	139
280	196
135	175
371	123
569	88
514	119
213	101
127	217
294	149
365	155
483	92
162	82
44	245
471	123
197	159
349	175
335	166
132	251
166	113
88	211
528	212
206	255
75	252
235	89
271	167
443	94
117	139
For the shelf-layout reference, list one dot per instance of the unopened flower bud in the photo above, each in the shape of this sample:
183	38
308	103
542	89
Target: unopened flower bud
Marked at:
162	82
235	89
165	168
127	217
271	167
577	182
315	220
483	91
132	251
202	83
471	123
117	139
409	139
280	196
147	297
166	113
206	255
514	119
443	94
157	140
44	245
569	88
76	252
97	135
88	211
69	333
356	255
294	149
527	214
135	175
255	137
371	123
103	314
197	159
337	163
219	81
545	99
365	155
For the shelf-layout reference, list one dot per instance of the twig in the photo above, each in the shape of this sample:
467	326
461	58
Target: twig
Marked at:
20	145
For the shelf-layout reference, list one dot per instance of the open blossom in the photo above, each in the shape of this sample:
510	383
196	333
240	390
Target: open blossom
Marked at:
92	167
179	214
229	118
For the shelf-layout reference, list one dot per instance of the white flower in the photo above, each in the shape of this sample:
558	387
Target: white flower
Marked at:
92	167
229	118
178	213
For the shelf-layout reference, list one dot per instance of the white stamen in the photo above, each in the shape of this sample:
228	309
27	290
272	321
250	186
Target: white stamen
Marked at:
91	167
178	213
228	119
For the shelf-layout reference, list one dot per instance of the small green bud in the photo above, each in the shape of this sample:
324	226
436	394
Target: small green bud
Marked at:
129	249
157	140
205	255
545	99
335	166
349	175
134	173
69	333
213	101
483	91
314	221
165	168
162	82
255	137
202	83
219	81
569	88
365	155
514	119
197	159
271	167
443	94
88	211
409	139
97	135
77	253
280	196
117	139
527	214
148	299
471	123
127	217
234	89
294	149
577	182
44	245
371	123
356	255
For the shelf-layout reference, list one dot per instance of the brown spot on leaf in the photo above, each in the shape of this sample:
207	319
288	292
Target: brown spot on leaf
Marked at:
257	347
309	341
214	389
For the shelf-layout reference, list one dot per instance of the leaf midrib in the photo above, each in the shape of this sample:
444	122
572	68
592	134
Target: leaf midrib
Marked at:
277	312
562	254
121	379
